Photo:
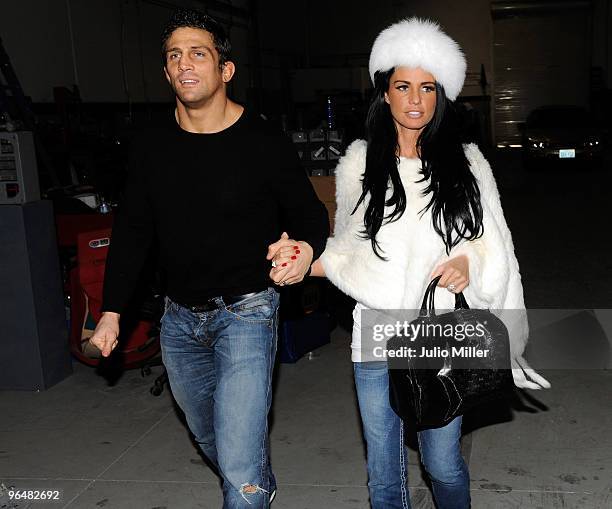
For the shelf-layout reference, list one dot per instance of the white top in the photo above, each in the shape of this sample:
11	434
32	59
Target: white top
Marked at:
409	170
356	337
414	249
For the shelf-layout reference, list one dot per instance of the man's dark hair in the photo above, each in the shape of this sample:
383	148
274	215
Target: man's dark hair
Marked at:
189	18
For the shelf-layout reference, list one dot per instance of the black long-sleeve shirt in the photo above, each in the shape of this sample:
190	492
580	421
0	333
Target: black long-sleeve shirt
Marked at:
214	202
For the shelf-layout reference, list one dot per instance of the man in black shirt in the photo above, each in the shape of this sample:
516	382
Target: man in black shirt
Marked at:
214	188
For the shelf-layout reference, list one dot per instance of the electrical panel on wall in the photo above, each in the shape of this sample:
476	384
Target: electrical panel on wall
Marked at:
18	171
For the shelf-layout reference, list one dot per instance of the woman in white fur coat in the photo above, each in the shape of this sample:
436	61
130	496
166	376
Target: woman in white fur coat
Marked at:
414	202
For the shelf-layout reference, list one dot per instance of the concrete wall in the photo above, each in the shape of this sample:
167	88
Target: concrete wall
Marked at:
112	51
110	48
345	29
35	34
602	37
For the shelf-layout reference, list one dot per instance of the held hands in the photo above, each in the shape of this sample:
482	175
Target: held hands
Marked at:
106	333
455	274
290	260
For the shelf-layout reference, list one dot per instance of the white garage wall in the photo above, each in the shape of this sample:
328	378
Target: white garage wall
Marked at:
535	67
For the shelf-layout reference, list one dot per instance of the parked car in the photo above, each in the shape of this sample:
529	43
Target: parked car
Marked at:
562	134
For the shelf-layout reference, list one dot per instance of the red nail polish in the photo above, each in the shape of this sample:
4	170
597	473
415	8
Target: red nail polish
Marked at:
293	257
284	265
296	247
297	252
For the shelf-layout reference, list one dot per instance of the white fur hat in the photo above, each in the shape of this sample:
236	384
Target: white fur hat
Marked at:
415	42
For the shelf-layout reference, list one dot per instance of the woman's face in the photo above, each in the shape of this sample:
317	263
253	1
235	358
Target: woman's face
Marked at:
411	97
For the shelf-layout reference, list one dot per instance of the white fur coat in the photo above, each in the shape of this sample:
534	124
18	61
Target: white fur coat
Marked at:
414	249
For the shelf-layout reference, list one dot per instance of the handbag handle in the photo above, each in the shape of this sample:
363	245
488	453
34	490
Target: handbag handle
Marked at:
427	307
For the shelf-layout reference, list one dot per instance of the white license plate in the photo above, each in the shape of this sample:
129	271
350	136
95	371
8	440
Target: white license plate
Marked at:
567	153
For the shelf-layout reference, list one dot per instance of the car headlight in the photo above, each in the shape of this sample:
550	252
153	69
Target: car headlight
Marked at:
537	143
592	141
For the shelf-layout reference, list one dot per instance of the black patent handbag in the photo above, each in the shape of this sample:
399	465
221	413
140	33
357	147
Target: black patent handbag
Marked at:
433	390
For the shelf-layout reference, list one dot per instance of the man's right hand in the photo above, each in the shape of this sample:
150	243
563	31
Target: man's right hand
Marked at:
106	333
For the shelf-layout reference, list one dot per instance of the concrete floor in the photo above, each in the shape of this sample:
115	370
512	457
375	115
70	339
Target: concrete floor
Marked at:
120	447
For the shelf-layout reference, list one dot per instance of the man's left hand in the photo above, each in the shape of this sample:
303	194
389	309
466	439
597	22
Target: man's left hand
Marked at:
291	260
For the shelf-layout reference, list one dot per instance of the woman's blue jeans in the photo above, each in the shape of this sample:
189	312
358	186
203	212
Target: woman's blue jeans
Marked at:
386	452
219	365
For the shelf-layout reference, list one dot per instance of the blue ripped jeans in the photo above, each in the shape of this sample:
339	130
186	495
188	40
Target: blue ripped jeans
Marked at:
386	452
219	366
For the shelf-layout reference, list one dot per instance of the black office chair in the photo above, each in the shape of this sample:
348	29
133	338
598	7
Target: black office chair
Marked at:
158	384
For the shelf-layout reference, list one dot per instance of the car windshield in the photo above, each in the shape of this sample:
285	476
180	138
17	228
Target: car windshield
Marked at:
559	117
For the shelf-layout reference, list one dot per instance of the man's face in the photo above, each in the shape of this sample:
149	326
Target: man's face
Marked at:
192	66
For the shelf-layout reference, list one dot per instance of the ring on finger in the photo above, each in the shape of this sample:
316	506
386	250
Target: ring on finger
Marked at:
273	263
451	288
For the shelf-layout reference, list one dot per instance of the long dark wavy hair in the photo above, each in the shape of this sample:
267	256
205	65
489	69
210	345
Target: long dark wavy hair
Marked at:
455	197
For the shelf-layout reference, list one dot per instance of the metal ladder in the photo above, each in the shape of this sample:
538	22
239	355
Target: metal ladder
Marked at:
12	99
15	106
